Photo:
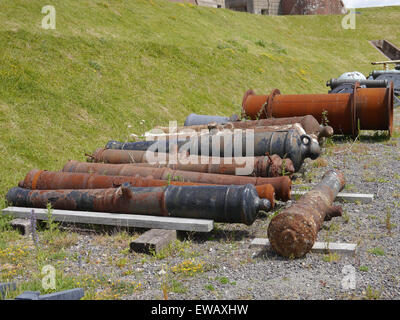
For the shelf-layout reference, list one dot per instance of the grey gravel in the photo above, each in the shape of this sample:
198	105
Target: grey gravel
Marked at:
233	271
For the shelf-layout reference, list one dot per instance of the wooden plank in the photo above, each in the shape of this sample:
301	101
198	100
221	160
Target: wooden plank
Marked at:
153	240
116	219
319	247
349	197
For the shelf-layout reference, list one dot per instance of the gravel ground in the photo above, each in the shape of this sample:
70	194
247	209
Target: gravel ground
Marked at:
231	270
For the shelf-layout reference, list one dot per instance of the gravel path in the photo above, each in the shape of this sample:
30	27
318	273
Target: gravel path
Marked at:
223	266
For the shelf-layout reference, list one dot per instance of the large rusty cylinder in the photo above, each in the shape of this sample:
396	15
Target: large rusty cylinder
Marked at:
198	119
293	232
268	166
282	185
347	113
49	180
231	204
308	122
289	144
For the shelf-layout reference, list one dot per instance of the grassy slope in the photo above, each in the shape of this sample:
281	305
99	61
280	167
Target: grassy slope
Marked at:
110	64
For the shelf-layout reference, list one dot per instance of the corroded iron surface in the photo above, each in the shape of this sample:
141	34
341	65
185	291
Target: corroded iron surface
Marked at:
282	185
292	232
231	204
293	144
372	108
268	166
49	180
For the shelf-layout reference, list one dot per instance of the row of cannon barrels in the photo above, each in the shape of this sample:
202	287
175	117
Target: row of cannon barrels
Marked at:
205	169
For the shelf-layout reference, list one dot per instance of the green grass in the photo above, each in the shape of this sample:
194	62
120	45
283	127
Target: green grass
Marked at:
111	64
378	251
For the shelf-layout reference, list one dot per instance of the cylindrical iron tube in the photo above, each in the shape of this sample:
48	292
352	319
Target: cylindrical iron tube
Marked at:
50	180
256	142
231	204
282	185
292	233
268	166
333	83
289	144
372	108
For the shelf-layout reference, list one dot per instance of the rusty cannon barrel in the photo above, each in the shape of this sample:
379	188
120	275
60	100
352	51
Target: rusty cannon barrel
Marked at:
282	185
230	204
371	107
291	144
51	180
268	166
292	232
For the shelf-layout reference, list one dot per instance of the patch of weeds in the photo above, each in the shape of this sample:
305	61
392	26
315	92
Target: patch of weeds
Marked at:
12	260
56	240
209	287
333	227
277	48
232	45
363	268
349	187
329	143
188	268
50	222
177	286
345	216
389	225
224	280
95	66
261	43
121	263
330	257
175	248
372	294
369	178
276	212
378	251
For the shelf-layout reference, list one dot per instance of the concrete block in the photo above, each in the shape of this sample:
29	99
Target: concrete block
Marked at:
23	225
319	247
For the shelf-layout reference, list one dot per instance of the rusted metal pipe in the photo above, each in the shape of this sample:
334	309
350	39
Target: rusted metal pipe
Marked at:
231	204
282	185
50	180
372	108
269	166
292	232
